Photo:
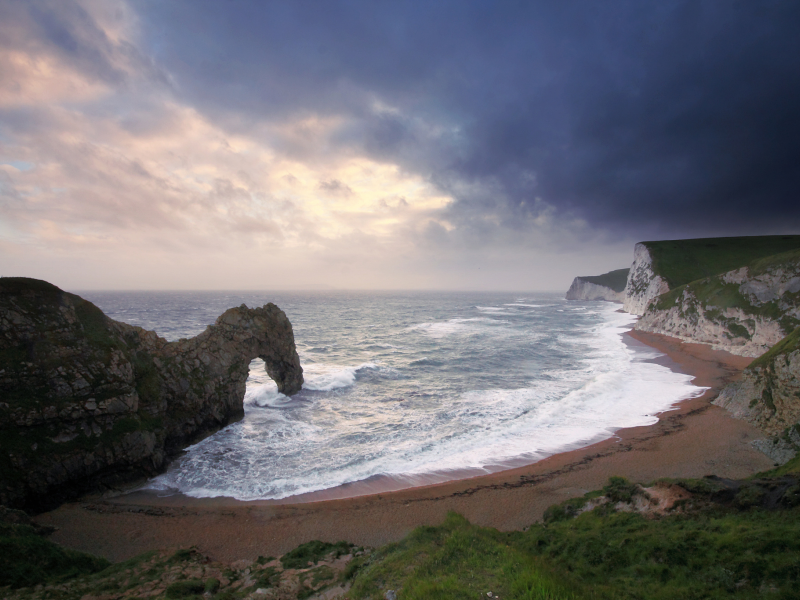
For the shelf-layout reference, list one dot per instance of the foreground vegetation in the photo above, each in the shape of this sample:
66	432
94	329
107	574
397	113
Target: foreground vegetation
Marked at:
714	539
727	539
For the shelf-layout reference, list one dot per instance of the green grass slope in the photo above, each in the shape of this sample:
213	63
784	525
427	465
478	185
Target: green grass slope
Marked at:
714	296
728	546
726	539
683	261
788	344
615	280
29	559
457	560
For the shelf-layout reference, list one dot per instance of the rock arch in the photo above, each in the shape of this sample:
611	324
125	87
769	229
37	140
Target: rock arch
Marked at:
87	402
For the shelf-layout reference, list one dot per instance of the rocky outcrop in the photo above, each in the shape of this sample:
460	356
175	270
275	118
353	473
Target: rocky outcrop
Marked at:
87	402
609	287
745	311
768	396
644	285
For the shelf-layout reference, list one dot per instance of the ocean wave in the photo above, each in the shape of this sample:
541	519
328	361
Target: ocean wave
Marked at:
426	362
324	378
440	329
381	347
494	310
265	395
530	305
514	393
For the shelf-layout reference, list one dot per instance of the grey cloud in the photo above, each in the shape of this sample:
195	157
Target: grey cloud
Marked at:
334	186
553	126
631	115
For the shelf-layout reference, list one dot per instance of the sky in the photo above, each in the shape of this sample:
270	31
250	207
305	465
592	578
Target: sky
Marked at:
459	145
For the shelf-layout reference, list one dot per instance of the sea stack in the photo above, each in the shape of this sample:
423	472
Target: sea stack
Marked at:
87	402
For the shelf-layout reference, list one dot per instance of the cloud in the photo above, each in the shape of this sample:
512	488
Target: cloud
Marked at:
629	115
334	186
422	141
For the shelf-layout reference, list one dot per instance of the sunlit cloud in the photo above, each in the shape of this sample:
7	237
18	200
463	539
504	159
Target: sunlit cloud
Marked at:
116	172
131	170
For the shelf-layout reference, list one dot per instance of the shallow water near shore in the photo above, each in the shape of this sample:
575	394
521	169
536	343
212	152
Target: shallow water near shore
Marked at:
411	387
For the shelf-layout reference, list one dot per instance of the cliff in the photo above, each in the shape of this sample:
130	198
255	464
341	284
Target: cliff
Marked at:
665	265
644	284
768	396
745	311
88	402
609	286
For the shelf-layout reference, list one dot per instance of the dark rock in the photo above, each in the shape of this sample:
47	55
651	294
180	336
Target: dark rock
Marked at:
87	402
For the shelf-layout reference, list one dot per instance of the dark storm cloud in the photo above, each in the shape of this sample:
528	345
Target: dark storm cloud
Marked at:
662	118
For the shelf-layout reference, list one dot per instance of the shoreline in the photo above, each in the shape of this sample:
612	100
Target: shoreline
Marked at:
384	484
692	439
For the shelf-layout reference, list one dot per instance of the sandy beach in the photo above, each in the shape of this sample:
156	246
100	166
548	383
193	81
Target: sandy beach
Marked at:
692	440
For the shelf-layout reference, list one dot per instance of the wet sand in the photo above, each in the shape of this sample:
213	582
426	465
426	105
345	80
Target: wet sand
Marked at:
692	440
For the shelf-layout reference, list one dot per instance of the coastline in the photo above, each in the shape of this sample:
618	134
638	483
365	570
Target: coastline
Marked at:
692	439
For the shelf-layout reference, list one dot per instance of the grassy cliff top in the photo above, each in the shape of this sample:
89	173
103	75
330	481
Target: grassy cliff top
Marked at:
682	261
615	280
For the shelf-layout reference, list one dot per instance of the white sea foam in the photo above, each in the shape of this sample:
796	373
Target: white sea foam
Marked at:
442	329
361	417
266	394
324	378
529	305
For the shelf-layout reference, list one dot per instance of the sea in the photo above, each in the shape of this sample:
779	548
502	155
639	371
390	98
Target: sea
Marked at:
405	388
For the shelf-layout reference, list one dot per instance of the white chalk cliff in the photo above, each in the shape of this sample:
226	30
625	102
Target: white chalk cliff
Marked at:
745	311
740	312
585	290
644	285
750	311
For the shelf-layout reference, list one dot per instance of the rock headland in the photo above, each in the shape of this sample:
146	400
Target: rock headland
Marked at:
740	295
768	396
609	287
88	403
644	284
745	311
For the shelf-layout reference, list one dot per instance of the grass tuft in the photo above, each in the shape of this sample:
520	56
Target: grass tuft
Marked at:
312	552
185	589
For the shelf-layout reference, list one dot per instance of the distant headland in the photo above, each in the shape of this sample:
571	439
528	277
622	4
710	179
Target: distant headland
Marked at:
737	294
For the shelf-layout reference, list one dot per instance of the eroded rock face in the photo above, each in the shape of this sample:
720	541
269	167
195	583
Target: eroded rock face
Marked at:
88	402
741	312
644	285
768	396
